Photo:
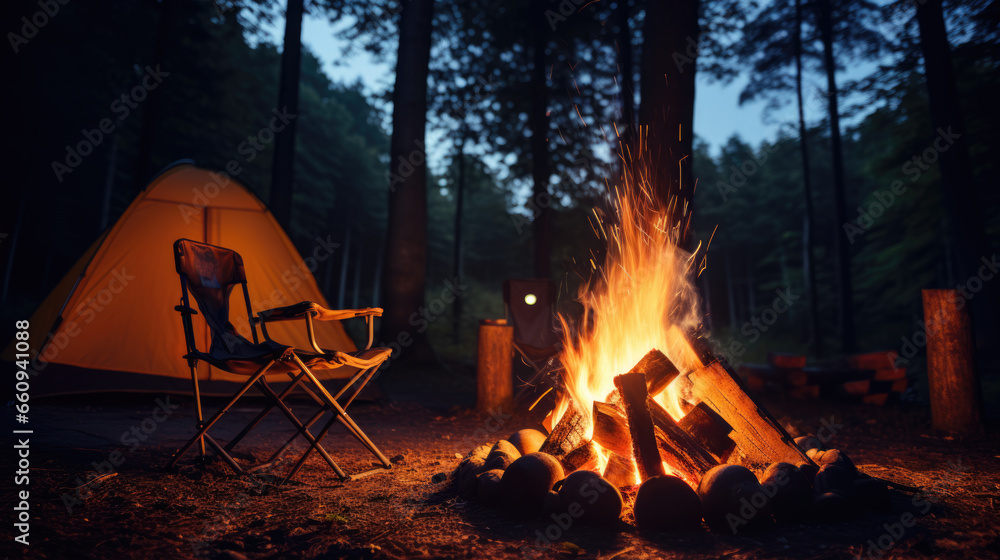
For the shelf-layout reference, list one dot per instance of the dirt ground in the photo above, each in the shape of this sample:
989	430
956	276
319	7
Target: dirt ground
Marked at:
137	510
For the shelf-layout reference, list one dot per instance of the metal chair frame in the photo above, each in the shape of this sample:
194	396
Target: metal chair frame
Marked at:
298	372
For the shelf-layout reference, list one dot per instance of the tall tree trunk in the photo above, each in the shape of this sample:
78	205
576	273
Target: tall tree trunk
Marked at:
627	71
151	108
967	225
457	260
328	278
751	288
667	72
406	239
109	183
356	294
377	277
539	122
13	248
731	296
845	293
283	169
345	257
808	230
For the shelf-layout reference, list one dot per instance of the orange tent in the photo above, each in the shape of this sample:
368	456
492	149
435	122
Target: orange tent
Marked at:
110	324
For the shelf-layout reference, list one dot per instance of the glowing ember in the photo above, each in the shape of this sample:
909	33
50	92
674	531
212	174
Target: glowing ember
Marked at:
640	299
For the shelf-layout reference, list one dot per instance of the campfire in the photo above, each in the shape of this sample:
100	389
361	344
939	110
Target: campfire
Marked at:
648	420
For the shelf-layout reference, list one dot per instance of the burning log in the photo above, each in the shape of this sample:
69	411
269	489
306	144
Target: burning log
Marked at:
710	430
678	448
659	370
611	429
583	457
632	387
758	436
620	470
568	434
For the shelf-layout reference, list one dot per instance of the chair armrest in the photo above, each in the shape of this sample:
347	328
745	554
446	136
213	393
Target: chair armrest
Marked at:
302	309
309	310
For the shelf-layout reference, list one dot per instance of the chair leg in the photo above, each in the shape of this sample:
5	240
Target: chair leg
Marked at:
298	464
296	379
338	410
352	427
370	372
325	407
202	431
319	414
303	430
197	405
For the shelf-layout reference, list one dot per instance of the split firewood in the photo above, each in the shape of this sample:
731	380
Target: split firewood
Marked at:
710	430
659	370
632	387
568	434
611	429
759	437
677	448
583	457
690	353
620	470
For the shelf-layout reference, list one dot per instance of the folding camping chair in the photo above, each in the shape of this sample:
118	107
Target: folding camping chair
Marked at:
529	304
210	273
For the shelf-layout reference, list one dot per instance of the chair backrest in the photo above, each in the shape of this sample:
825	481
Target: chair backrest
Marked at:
210	273
531	304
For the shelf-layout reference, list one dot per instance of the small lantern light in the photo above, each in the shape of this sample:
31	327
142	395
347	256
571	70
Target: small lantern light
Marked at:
530	299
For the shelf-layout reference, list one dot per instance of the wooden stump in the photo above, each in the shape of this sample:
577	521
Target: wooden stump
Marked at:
956	404
494	374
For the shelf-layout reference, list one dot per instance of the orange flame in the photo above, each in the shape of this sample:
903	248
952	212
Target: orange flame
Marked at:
640	299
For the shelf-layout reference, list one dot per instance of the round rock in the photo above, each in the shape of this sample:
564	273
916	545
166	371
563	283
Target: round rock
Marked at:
488	488
833	478
527	480
501	456
586	496
790	491
527	440
808	442
733	500
667	503
829	506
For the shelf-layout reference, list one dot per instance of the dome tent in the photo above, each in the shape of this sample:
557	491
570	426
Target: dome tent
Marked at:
110	324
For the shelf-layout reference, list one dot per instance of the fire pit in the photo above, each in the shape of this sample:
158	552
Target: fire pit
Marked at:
650	426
